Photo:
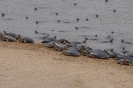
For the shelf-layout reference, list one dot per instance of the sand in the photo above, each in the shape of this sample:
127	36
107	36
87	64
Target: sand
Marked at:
34	66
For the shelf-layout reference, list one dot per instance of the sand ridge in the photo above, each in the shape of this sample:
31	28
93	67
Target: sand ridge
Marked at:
34	66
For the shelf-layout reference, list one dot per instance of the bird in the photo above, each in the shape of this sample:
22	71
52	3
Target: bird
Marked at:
111	50
95	35
36	32
112	32
106	1
3	15
35	9
56	14
87	19
122	40
96	16
85	40
58	21
111	41
77	19
26	17
75	4
76	28
36	22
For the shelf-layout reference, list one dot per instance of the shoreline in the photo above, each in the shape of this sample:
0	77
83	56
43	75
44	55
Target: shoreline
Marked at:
35	66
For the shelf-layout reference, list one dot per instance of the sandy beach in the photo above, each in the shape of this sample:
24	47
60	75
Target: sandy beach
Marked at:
34	66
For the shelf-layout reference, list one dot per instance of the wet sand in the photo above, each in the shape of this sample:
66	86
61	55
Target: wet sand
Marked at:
34	66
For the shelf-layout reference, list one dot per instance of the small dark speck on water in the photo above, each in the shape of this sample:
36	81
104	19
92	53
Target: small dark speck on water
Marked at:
96	16
26	17
36	22
77	19
95	35
112	32
58	21
75	4
3	15
56	14
35	9
76	28
87	19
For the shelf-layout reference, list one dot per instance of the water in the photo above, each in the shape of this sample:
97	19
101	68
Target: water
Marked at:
120	21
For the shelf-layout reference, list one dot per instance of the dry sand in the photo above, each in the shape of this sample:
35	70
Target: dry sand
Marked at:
33	66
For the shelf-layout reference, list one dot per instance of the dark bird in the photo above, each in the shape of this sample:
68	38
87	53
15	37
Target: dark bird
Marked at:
106	1
112	32
3	15
87	19
85	40
58	21
122	40
77	19
26	17
95	35
76	28
75	4
36	32
111	50
96	16
56	14
111	41
35	9
114	10
125	42
36	22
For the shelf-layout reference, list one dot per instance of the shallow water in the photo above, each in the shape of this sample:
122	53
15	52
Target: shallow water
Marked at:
120	21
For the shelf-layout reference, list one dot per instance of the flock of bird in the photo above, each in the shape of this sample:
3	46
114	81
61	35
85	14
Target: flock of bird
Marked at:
69	48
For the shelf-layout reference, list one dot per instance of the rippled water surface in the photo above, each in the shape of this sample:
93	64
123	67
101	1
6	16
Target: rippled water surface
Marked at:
120	22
